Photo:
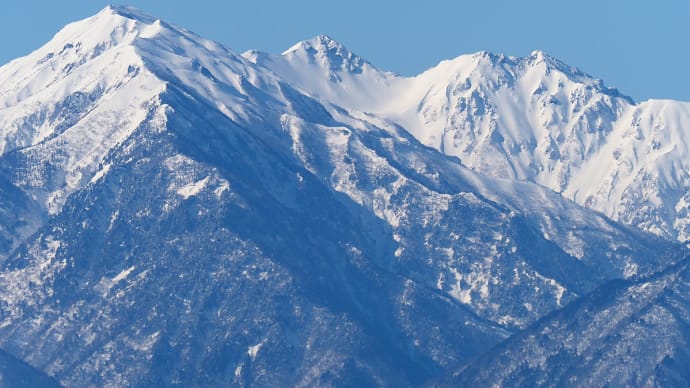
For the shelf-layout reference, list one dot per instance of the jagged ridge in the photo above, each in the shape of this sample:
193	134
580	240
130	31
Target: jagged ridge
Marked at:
532	118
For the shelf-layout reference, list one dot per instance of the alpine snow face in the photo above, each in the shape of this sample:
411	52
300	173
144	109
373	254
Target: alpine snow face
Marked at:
534	119
173	213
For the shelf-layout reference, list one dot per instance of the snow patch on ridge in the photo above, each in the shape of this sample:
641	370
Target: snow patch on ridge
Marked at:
193	188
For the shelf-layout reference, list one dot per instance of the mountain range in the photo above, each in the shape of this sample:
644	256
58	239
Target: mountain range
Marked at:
532	119
175	213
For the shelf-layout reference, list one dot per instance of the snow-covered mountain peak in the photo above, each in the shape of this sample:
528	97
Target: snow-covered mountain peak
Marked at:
110	27
540	56
78	44
63	97
489	57
328	54
320	43
97	54
547	64
324	68
113	27
128	12
85	60
322	46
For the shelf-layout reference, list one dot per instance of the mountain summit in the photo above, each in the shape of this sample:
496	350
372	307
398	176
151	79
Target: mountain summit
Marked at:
172	213
535	119
332	53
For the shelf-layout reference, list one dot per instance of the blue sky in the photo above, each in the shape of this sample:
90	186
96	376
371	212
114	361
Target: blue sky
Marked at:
637	46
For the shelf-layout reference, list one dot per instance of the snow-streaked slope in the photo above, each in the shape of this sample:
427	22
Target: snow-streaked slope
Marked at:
210	224
258	278
627	333
64	106
540	253
54	100
329	70
533	118
641	176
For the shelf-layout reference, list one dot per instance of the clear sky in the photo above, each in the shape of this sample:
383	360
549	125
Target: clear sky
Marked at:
638	46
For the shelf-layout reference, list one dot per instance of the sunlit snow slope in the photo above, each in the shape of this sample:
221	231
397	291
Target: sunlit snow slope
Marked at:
533	118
